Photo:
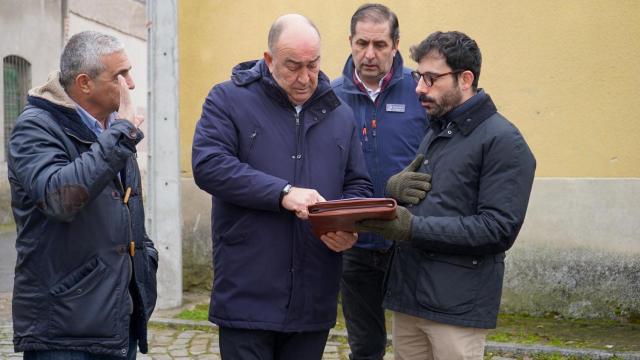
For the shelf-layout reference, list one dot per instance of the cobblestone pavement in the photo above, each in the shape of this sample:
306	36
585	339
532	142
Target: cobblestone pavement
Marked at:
175	344
202	344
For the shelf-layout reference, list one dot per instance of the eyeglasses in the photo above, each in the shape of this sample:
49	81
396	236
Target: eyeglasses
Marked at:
430	78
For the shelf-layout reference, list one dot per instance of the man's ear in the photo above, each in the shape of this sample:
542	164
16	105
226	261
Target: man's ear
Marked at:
466	80
268	59
83	83
395	46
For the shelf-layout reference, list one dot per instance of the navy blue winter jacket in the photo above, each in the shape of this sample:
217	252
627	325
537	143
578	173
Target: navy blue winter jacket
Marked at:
270	271
401	123
76	285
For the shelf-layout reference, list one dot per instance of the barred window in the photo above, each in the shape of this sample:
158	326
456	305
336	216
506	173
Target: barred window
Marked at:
17	81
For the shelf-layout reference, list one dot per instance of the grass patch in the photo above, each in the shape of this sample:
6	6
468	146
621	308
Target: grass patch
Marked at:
570	333
8	227
601	334
199	313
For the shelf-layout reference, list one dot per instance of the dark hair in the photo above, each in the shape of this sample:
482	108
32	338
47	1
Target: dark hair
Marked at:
460	52
377	13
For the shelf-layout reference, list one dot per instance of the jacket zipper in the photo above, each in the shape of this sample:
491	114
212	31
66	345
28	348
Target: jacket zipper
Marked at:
296	157
373	124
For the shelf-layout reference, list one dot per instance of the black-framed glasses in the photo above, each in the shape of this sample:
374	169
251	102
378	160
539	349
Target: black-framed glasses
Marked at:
430	78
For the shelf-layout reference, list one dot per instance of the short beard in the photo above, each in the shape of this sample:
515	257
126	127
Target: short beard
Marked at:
449	100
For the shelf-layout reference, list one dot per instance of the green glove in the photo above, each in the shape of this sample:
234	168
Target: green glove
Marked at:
409	186
397	229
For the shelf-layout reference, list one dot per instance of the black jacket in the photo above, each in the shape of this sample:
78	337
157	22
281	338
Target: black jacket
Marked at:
76	285
452	269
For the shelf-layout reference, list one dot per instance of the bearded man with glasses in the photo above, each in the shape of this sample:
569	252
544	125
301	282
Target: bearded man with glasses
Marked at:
445	279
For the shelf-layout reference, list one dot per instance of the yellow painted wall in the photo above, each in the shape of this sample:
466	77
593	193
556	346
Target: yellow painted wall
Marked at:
565	72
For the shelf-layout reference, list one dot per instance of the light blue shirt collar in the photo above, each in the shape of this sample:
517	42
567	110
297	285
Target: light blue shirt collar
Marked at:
91	122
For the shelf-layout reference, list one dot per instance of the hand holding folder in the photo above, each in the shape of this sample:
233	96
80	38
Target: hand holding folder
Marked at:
342	215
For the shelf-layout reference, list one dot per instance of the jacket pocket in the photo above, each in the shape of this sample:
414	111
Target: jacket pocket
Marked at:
447	283
84	303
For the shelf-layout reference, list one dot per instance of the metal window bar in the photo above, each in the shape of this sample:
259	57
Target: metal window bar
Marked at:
17	82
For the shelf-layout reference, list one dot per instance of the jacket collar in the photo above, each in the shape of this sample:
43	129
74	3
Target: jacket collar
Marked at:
348	73
383	83
52	98
248	72
469	115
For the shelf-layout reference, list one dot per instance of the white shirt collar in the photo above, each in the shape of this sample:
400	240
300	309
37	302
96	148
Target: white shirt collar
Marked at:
373	94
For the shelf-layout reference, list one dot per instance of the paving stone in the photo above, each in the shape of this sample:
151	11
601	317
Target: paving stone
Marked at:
200	342
157	349
197	350
181	341
188	334
330	349
162	357
178	353
162	340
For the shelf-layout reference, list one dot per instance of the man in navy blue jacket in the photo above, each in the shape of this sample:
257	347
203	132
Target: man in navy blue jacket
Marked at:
391	124
85	275
272	141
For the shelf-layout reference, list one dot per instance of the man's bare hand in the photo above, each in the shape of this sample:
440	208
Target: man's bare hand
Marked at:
298	199
339	241
127	111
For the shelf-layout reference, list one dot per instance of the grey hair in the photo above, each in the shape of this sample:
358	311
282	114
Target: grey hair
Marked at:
83	55
278	27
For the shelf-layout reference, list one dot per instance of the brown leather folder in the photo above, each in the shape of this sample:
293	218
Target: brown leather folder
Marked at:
343	214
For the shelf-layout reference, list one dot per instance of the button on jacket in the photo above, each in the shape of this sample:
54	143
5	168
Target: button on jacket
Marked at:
270	271
390	129
77	287
451	270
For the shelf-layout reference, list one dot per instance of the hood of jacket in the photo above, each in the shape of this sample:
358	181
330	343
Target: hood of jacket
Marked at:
53	92
52	98
251	71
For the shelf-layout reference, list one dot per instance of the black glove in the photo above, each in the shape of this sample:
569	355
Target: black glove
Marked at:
397	229
409	186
